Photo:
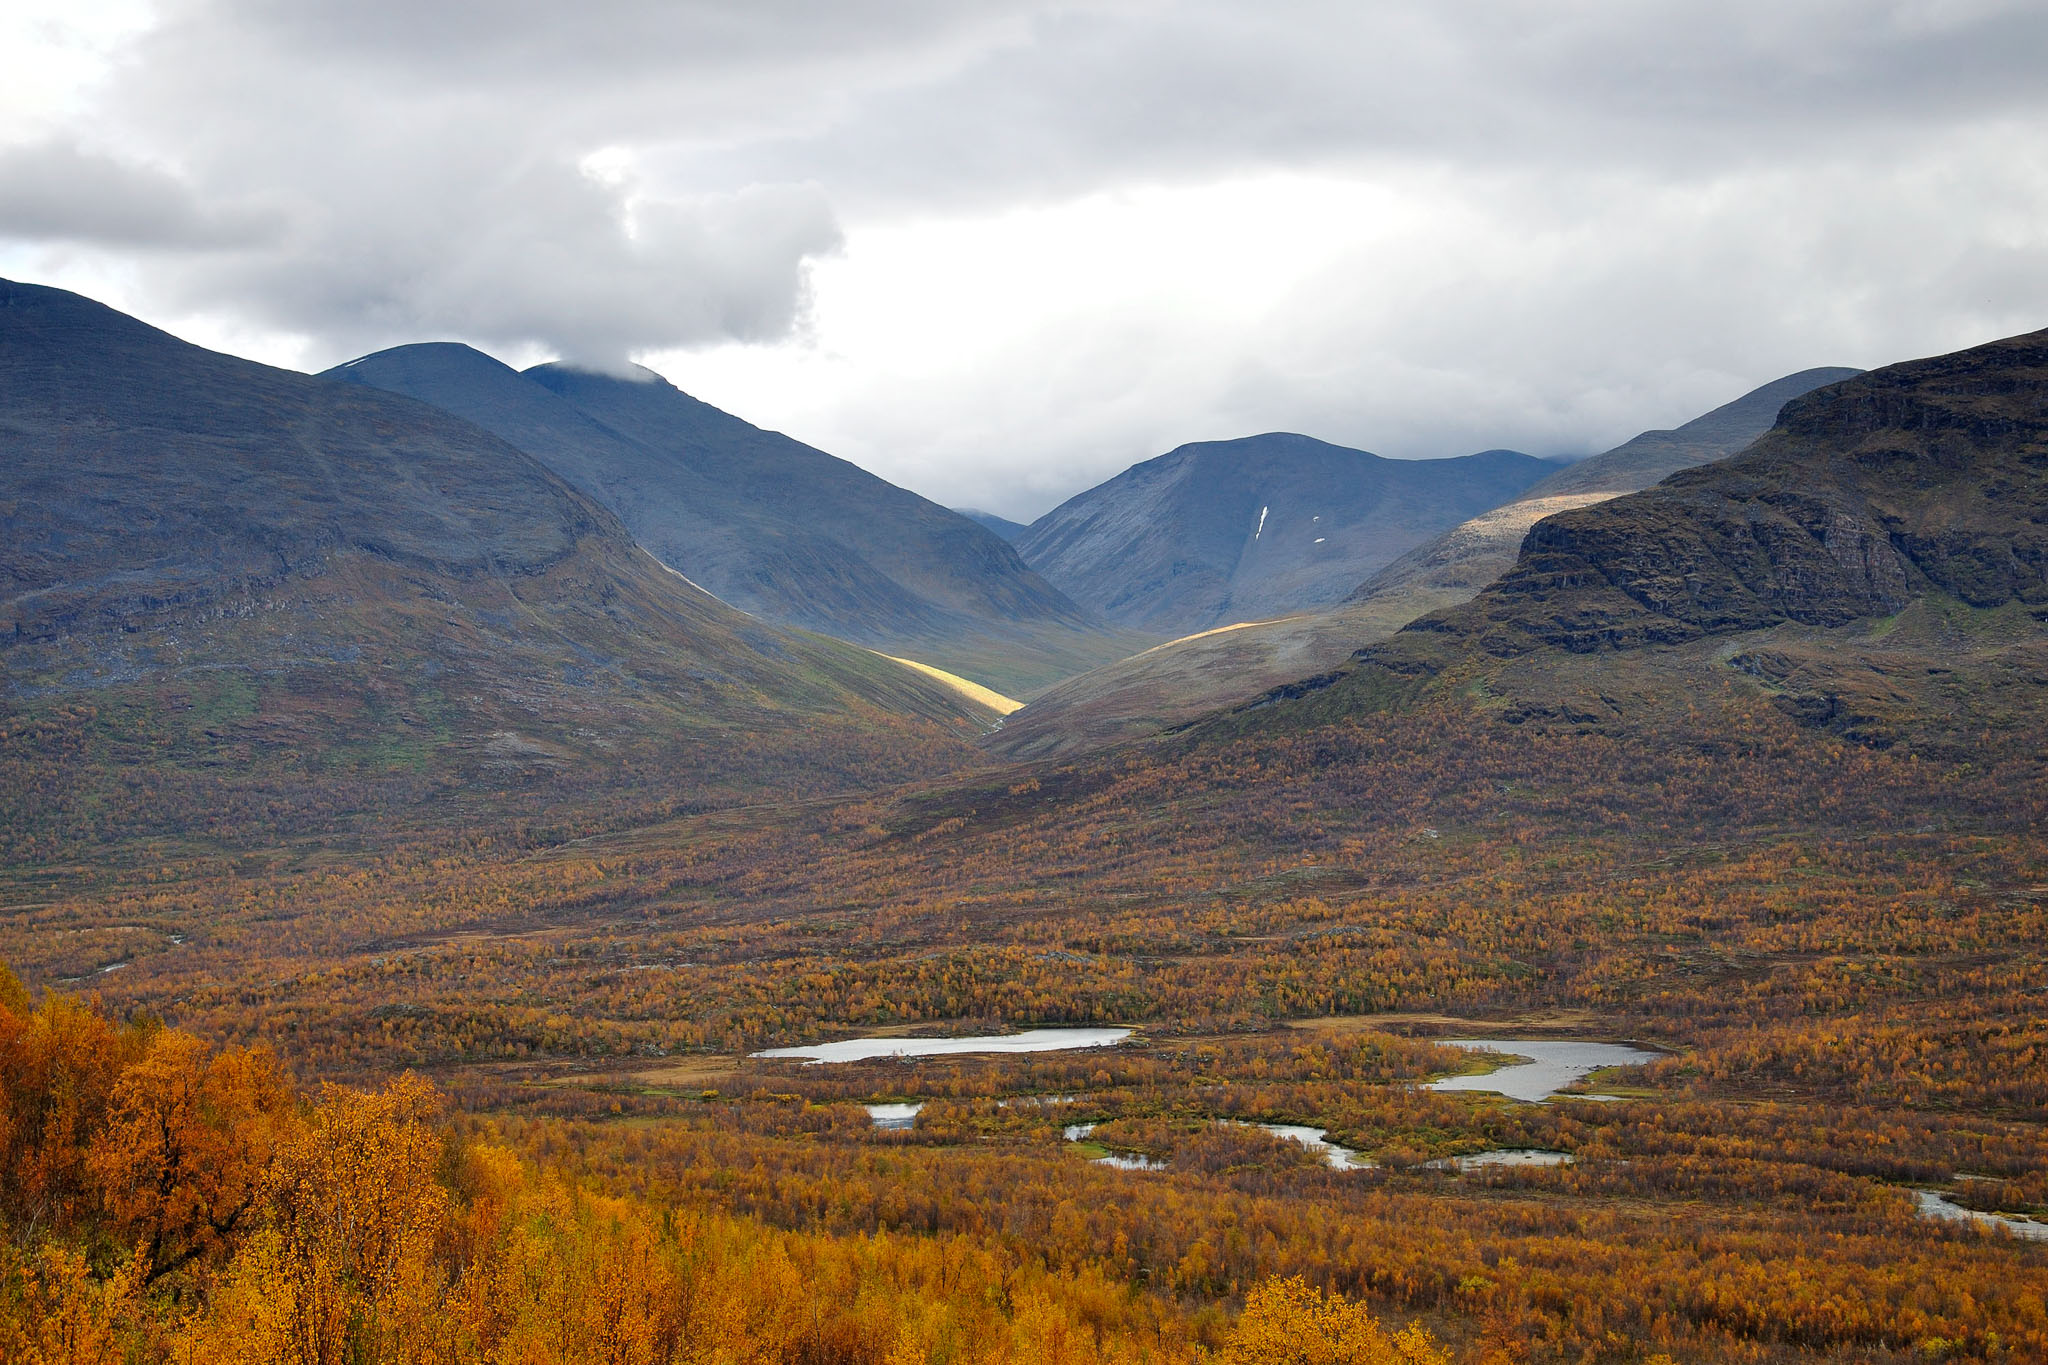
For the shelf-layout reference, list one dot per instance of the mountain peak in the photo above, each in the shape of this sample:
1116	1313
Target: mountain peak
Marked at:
370	583
1220	531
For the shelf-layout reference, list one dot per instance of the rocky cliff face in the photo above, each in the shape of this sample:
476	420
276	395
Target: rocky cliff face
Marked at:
1467	557
1930	476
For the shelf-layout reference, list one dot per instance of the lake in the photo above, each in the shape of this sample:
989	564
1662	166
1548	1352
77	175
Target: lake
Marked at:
1552	1065
1031	1040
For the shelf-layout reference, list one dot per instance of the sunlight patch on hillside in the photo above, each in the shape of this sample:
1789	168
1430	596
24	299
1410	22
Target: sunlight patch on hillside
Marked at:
973	691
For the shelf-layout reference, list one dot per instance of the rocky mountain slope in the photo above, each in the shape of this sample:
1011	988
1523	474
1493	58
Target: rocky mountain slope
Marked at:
1926	477
1467	557
766	523
1877	563
1226	531
245	579
1176	682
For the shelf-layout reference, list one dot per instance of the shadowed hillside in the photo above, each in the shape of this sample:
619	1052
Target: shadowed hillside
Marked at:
766	523
227	589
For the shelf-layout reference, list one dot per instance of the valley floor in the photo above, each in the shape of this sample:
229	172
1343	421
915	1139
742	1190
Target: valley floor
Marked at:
1838	948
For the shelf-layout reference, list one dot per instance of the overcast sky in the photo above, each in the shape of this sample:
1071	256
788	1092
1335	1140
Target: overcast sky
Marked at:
998	250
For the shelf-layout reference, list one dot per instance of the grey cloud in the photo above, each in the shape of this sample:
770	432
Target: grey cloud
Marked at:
1666	200
53	191
414	207
545	256
1543	314
1209	87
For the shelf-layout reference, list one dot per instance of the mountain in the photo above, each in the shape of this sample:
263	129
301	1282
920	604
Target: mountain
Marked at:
1002	526
1655	455
1876	564
1467	557
1226	531
1174	683
228	589
766	523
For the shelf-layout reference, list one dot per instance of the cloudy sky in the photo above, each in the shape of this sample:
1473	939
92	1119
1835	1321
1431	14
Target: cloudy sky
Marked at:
997	250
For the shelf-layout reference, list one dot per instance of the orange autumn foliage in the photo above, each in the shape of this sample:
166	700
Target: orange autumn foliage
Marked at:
215	1218
1291	1322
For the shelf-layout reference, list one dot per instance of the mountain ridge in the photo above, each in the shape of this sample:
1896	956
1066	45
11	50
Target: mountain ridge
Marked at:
1472	554
765	523
263	576
1876	564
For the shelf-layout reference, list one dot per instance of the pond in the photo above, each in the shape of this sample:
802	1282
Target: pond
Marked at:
1123	1161
894	1118
1553	1064
1031	1040
1132	1162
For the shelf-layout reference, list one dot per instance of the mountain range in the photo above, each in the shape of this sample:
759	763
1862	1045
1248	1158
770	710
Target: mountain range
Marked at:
766	523
265	566
269	590
1174	683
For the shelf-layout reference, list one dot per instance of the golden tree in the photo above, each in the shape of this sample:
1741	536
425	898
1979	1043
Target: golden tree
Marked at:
1290	1322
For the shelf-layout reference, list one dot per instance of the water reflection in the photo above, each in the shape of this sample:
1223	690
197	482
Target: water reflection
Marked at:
1031	1040
891	1118
1552	1065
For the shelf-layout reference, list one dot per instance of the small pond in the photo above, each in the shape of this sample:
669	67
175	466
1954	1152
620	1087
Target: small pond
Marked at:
1031	1040
1132	1161
894	1118
1553	1064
